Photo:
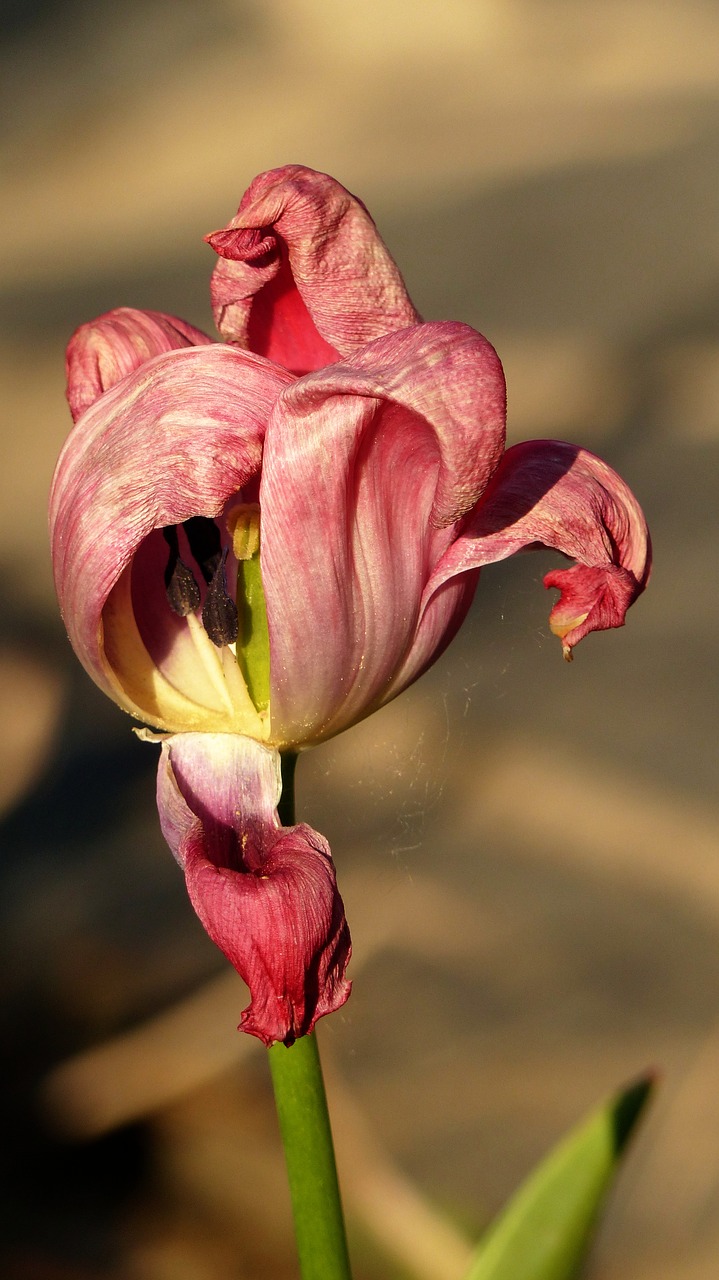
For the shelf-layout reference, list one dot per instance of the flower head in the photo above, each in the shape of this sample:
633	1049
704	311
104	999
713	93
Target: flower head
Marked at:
273	537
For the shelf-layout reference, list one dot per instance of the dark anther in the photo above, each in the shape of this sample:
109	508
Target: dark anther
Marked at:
181	589
219	612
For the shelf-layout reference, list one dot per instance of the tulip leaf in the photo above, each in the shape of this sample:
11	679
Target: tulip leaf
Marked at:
546	1229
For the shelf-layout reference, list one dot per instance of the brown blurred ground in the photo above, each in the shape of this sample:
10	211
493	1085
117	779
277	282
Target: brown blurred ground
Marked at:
548	173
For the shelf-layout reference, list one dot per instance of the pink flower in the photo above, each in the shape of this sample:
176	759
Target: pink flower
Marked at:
239	550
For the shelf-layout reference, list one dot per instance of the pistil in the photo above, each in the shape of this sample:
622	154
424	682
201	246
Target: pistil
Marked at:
253	643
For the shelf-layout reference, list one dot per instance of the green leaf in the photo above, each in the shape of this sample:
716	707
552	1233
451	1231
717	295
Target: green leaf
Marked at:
545	1230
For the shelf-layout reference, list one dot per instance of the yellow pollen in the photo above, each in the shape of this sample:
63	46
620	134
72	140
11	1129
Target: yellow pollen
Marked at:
243	526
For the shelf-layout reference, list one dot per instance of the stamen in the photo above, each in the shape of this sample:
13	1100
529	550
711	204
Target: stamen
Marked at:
219	612
181	589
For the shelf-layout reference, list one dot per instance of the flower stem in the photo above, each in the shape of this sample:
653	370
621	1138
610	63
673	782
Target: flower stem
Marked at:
286	807
307	1138
306	1134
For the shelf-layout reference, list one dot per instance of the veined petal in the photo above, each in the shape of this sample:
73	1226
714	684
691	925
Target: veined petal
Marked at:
105	350
304	273
266	894
358	458
441	615
547	493
175	439
450	376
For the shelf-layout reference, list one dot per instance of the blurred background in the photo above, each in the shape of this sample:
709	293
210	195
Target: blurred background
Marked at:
528	851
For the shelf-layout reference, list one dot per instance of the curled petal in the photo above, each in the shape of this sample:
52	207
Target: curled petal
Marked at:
266	894
105	350
173	440
304	274
448	376
550	494
590	600
360	460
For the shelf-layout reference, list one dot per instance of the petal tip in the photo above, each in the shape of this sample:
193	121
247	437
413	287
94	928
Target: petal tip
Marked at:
240	244
592	598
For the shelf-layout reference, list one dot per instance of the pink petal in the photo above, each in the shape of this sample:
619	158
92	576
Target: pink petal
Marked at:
363	463
546	493
590	600
266	894
304	274
175	439
441	615
105	350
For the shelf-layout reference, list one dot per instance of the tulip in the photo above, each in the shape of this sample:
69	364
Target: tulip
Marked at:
260	542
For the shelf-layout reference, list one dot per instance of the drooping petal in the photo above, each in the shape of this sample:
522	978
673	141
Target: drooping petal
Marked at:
266	894
105	350
547	493
358	459
175	439
304	274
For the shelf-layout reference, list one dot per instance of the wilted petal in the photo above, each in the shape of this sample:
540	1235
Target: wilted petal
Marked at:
590	600
105	350
266	894
446	374
365	465
304	273
175	439
550	494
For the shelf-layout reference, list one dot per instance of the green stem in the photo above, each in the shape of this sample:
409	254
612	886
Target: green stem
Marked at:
307	1138
306	1134
286	807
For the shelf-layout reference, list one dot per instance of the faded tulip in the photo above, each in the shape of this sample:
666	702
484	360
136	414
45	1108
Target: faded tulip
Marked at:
270	538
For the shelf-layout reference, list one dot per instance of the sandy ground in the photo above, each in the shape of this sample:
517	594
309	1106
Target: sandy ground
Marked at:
529	852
